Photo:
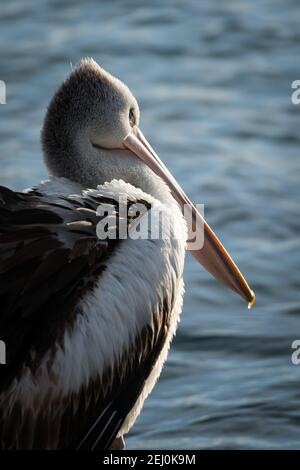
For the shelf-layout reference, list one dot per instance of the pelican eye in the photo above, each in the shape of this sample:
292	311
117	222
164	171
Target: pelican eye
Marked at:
132	119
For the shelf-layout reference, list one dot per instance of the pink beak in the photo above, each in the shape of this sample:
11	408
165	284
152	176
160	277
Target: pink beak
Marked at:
212	255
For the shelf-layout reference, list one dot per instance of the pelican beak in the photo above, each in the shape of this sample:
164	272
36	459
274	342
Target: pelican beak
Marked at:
211	253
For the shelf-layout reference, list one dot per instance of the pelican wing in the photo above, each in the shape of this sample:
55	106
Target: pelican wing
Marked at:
50	258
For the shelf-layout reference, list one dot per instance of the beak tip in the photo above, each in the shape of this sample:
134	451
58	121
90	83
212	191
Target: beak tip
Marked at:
252	300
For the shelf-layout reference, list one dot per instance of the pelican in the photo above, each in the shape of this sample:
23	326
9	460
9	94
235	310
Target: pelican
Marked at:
86	319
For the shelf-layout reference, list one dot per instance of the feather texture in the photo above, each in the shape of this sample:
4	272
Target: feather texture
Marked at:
87	322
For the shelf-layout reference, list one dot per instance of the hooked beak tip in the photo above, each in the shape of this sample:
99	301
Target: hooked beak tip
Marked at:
252	300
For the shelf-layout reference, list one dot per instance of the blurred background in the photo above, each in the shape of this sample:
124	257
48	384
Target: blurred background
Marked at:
213	80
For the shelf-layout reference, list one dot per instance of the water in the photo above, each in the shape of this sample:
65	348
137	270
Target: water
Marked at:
214	83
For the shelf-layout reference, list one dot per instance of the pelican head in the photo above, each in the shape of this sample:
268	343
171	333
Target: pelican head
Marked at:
91	135
87	120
